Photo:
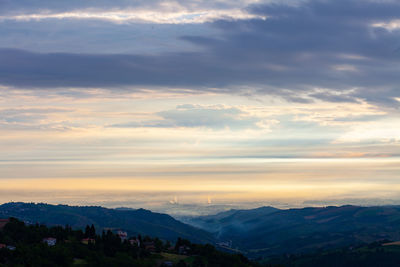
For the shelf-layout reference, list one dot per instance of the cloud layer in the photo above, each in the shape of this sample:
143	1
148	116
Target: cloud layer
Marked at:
342	47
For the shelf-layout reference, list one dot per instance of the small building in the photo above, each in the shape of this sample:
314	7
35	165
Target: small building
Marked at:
135	242
149	246
122	235
227	244
3	246
183	250
50	241
88	241
3	223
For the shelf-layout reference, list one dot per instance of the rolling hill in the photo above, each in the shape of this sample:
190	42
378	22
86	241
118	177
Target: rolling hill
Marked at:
138	221
268	231
228	221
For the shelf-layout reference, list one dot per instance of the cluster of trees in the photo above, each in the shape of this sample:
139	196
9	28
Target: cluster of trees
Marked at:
371	255
105	249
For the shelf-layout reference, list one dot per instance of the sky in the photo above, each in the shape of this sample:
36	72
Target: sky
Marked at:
170	104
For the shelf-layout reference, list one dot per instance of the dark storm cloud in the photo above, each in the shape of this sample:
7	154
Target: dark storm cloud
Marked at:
315	44
27	69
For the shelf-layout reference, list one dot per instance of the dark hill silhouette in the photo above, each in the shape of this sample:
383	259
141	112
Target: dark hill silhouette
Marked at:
138	221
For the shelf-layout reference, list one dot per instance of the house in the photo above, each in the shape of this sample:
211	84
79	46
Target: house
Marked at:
149	246
50	241
123	235
227	244
183	250
3	246
134	242
88	241
3	223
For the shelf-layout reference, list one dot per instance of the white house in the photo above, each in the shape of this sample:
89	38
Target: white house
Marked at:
123	235
50	241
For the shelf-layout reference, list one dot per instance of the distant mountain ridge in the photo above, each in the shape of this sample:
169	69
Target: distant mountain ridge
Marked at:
268	231
138	221
231	219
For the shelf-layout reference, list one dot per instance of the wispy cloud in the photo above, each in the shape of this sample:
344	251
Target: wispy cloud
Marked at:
200	116
145	16
154	11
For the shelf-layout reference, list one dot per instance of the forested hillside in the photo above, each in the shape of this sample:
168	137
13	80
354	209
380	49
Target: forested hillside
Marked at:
133	221
38	245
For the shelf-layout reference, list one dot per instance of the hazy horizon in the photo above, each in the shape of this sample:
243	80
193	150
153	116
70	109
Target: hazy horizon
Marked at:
178	205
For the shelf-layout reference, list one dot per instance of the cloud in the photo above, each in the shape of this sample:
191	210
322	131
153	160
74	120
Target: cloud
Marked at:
183	17
199	116
332	97
34	118
211	117
99	37
122	11
336	45
49	6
